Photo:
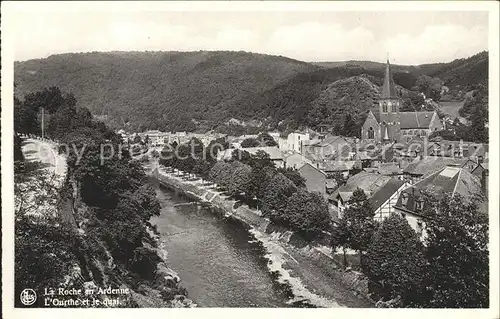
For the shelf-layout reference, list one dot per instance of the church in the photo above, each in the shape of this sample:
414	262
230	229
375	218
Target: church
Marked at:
386	124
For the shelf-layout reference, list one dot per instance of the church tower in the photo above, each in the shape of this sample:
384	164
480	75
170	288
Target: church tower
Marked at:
389	104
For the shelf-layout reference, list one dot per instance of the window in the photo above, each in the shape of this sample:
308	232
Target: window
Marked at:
405	132
371	133
420	204
404	199
384	107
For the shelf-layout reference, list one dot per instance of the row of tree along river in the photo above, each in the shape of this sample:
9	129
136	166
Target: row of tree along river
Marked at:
218	260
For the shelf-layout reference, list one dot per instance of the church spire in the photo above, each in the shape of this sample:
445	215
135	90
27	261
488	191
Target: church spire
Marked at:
388	88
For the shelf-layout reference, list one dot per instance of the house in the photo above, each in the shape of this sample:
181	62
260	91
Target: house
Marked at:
388	169
386	197
156	137
475	151
315	179
345	168
370	183
330	148
450	180
296	160
331	185
421	168
235	141
481	171
274	154
414	148
385	123
478	169
470	165
295	140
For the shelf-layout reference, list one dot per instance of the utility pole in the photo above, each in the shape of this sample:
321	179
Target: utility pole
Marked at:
42	122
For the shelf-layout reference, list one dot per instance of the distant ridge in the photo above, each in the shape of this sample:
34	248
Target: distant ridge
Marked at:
168	90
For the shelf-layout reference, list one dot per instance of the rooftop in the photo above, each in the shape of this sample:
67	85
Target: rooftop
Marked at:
449	180
431	164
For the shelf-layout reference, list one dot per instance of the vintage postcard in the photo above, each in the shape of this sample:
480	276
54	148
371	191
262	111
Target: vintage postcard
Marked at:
259	158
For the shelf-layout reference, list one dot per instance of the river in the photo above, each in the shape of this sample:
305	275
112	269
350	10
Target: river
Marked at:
217	259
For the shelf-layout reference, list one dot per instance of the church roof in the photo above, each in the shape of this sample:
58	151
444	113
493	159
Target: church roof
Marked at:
388	88
411	120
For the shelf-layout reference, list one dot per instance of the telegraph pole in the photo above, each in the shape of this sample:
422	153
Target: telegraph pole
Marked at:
42	122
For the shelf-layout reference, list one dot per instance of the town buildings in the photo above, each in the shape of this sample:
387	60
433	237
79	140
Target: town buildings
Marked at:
386	124
451	180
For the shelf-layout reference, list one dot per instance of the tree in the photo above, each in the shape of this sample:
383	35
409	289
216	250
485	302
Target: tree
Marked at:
478	129
277	192
395	260
266	139
18	153
457	242
262	159
431	87
341	237
202	168
242	156
220	174
357	224
258	181
239	178
25	118
307	212
293	175
61	122
412	102
350	128
250	142
214	147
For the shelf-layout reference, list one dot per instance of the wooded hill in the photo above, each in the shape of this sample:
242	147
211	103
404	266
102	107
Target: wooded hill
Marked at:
201	90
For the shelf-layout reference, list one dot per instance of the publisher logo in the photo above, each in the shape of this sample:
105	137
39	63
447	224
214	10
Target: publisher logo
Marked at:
28	297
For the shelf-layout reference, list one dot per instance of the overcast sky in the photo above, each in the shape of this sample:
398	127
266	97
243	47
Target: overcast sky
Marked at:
409	37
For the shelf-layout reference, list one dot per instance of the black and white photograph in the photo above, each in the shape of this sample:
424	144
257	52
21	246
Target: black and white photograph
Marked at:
250	155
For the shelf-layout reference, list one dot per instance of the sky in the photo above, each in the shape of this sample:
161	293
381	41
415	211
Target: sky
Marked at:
408	37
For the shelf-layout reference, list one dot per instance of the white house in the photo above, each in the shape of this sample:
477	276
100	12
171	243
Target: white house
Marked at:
295	139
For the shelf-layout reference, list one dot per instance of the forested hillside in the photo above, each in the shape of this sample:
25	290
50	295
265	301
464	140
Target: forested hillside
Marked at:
202	90
465	73
155	88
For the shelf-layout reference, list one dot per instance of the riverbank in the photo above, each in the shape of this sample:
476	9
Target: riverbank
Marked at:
97	268
306	268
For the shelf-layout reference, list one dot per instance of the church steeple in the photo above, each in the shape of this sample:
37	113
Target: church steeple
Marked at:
388	88
389	104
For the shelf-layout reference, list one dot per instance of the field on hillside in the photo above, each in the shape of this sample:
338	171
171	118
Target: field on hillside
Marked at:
451	108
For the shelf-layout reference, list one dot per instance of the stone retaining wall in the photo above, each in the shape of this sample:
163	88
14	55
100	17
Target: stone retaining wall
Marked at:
252	218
